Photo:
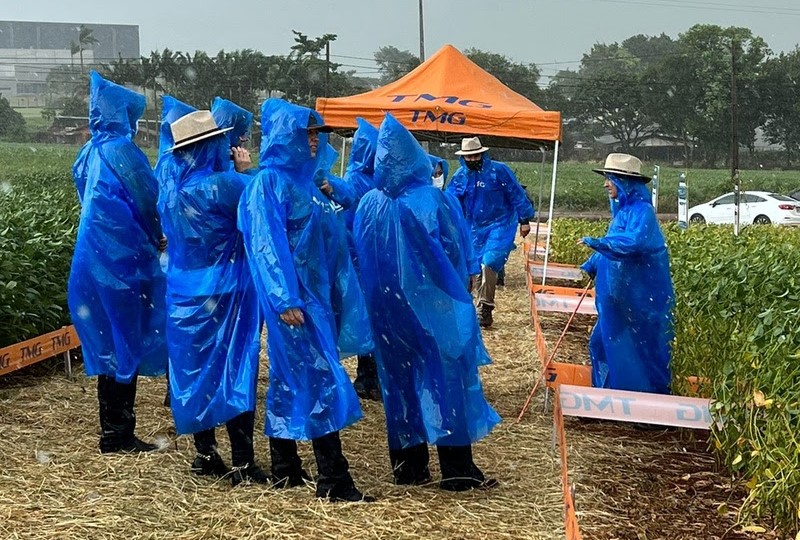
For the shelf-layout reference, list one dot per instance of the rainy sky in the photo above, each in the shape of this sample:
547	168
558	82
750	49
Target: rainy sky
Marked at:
553	34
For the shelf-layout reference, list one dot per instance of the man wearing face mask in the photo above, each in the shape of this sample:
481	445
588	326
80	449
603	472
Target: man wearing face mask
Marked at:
630	345
494	204
440	168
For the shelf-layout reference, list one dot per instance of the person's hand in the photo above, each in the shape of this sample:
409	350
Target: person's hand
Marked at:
162	244
293	317
524	230
580	242
241	159
326	188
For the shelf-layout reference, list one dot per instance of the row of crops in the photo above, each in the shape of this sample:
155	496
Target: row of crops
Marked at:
737	320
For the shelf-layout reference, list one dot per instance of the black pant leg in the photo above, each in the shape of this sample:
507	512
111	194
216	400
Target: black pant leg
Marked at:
332	466
240	433
285	461
205	442
117	415
410	465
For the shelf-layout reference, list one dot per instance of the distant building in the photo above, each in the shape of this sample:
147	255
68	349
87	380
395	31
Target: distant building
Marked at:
29	50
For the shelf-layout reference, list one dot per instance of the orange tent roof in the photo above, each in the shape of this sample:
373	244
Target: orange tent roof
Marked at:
447	94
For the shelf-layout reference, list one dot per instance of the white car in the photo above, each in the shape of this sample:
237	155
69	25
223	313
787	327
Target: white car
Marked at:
757	207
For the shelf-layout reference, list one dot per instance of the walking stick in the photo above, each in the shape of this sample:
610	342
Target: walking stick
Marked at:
555	349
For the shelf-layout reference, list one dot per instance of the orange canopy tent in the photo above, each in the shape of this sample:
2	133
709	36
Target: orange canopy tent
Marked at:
446	97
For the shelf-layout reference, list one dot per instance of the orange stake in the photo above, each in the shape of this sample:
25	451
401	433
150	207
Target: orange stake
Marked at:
555	349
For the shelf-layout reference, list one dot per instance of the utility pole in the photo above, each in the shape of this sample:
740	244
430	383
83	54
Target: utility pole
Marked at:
421	35
735	140
328	64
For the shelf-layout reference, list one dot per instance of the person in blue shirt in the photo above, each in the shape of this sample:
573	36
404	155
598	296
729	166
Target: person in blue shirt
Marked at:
297	253
631	344
213	321
494	204
415	269
116	286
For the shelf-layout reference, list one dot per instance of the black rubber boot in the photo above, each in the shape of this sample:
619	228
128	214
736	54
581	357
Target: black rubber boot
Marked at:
366	383
410	465
208	462
334	482
240	433
459	472
167	396
287	468
485	318
117	417
501	277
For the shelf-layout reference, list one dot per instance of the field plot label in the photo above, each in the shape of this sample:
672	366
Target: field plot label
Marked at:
40	348
619	405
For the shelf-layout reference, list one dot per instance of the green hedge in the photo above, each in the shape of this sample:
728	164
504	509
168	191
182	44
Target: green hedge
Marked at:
39	213
737	319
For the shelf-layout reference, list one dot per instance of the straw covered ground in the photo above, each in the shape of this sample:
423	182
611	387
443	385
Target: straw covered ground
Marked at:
54	484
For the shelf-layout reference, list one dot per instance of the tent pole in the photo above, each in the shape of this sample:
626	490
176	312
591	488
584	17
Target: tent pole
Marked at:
550	215
539	202
344	148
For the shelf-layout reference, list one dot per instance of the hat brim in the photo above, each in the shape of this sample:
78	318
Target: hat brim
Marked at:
632	176
200	137
324	128
481	150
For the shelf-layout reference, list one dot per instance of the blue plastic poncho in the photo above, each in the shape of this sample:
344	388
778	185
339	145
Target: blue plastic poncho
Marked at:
116	286
228	114
494	204
283	217
630	346
360	172
414	270
213	321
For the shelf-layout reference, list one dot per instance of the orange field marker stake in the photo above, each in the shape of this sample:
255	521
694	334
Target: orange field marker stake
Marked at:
554	351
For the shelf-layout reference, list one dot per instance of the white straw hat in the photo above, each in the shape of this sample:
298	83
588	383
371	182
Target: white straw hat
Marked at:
193	127
470	146
623	165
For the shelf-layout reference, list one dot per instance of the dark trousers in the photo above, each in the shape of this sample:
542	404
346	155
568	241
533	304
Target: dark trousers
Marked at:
240	433
117	418
332	467
366	373
410	465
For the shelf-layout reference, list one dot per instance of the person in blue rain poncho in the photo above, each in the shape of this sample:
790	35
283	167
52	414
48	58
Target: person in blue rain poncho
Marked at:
228	114
299	273
359	180
415	269
116	285
440	171
630	346
494	204
213	321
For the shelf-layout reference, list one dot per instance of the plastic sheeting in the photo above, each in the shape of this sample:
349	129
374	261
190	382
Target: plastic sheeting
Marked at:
213	321
284	218
228	114
116	286
360	167
494	203
414	267
630	346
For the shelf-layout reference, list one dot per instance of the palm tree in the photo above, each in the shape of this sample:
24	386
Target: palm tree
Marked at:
74	49
85	41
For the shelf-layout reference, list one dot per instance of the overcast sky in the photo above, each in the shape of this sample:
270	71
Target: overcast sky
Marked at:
552	33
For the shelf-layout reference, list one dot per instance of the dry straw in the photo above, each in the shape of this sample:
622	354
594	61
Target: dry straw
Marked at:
54	484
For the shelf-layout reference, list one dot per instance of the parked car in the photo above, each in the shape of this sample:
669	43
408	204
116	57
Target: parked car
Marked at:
758	207
795	194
